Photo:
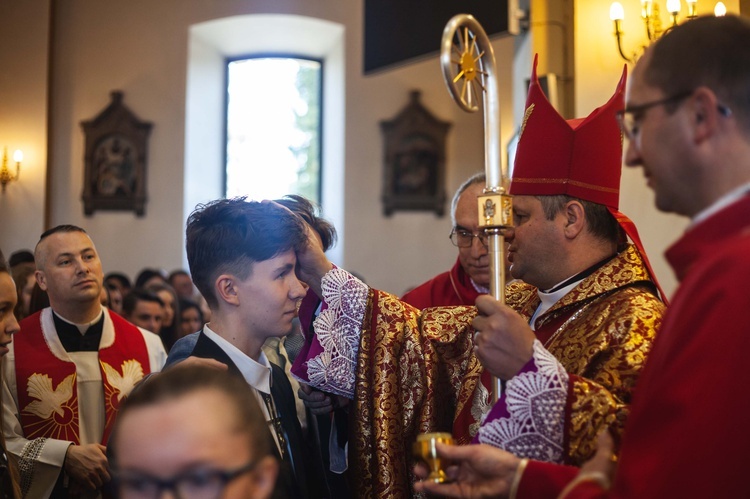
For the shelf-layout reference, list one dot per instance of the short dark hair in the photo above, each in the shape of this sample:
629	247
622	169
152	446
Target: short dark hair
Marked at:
229	235
477	178
310	213
176	273
131	299
718	57
186	304
599	220
162	286
181	381
147	274
58	229
20	256
119	277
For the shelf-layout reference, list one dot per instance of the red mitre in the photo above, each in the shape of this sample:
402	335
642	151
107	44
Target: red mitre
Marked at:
581	158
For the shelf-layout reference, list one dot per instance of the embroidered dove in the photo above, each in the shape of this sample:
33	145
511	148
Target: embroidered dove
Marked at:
132	373
49	400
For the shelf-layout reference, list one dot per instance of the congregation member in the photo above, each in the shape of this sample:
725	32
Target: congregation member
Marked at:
25	280
687	122
191	318
144	309
242	259
9	482
169	325
578	332
148	276
193	432
68	371
21	259
183	285
119	281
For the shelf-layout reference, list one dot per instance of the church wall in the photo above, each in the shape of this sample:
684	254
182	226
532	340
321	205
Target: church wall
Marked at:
23	119
141	48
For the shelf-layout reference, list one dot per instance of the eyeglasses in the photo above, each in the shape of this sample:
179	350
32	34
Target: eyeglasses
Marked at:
629	118
200	484
464	238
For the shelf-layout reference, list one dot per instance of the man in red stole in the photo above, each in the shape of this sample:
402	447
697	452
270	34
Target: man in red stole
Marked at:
571	347
688	126
470	275
68	371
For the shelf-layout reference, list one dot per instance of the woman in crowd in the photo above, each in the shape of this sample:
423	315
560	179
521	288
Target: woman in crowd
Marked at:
25	280
191	318
8	327
169	325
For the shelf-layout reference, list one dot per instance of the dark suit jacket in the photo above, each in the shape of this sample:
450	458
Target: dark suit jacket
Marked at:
304	479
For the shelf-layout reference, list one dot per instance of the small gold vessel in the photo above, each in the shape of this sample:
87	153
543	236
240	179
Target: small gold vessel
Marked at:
424	450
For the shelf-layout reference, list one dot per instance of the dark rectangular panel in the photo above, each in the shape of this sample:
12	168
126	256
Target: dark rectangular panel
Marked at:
399	30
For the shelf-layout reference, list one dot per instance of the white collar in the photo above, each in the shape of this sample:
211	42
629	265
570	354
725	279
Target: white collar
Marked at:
257	374
729	198
548	300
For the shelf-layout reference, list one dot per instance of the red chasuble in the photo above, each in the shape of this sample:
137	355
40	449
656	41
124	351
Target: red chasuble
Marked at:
47	388
444	290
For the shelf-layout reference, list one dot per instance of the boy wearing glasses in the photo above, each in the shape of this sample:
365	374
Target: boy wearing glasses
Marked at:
195	432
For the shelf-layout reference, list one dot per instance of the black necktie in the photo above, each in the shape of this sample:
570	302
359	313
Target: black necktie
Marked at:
276	423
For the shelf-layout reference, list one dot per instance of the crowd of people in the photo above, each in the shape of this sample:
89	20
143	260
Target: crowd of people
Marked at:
268	371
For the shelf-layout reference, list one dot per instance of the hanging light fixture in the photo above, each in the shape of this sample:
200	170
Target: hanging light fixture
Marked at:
651	16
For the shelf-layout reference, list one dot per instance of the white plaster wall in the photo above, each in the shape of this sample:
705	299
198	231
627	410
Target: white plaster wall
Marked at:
23	118
141	47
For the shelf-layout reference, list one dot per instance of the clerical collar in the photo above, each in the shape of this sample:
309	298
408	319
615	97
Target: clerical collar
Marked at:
729	198
82	328
79	337
548	298
579	276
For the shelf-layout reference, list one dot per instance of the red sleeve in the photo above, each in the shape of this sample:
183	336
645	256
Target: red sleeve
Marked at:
544	479
687	434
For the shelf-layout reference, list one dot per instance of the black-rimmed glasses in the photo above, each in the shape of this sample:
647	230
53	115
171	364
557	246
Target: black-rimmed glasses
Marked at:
464	238
198	484
629	118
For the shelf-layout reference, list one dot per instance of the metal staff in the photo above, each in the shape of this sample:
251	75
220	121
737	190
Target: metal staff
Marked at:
469	70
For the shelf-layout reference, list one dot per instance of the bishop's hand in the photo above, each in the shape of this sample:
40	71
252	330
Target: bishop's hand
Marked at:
503	341
312	262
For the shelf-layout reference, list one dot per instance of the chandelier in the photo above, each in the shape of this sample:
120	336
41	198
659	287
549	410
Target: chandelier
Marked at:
651	16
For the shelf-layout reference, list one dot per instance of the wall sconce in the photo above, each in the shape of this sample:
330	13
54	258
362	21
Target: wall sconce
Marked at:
652	20
5	175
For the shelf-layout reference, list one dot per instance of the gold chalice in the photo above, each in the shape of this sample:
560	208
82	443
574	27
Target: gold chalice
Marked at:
424	450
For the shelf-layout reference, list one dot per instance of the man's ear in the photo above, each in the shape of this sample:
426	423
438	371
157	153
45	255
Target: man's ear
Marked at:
226	289
41	279
575	219
705	114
